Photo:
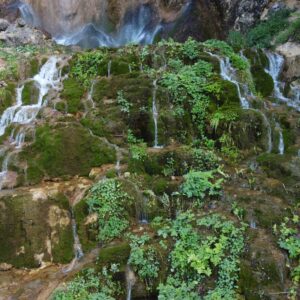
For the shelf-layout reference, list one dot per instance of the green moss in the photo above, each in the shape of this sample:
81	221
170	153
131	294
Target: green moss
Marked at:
69	150
34	67
30	94
263	81
7	96
114	254
72	93
25	228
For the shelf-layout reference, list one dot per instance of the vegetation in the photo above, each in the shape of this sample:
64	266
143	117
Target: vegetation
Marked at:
109	201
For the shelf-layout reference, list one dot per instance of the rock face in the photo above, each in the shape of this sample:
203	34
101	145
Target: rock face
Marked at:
35	227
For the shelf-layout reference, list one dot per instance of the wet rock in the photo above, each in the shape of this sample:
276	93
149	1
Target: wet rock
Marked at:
20	22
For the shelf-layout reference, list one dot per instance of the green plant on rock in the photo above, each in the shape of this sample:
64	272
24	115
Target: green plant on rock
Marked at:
137	148
202	247
262	35
205	160
143	258
90	285
109	201
228	148
225	50
197	185
87	65
191	87
222	116
289	241
123	103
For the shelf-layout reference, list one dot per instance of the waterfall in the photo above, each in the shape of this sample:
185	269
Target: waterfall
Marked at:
91	93
130	280
25	114
19	114
109	69
77	245
269	129
139	26
229	73
276	62
281	146
155	114
143	218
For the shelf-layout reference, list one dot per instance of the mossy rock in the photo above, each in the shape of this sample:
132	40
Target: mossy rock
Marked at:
118	253
87	231
7	96
28	225
65	150
30	94
73	92
263	81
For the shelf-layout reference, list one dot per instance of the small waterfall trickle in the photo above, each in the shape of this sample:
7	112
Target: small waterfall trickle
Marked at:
229	73
109	69
144	218
77	245
281	146
130	280
155	114
269	129
91	94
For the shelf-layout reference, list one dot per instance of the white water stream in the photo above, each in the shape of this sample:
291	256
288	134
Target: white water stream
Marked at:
281	146
21	115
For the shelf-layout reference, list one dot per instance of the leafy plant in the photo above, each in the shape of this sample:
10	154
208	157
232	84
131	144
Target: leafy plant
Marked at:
90	285
143	258
138	149
199	184
123	103
109	201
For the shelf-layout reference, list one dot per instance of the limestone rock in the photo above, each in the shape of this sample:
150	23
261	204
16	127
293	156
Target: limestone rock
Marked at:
3	24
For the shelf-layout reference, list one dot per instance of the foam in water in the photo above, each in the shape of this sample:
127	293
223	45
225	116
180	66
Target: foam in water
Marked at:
228	73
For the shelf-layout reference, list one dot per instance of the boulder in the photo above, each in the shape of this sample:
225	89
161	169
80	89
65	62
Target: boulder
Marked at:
3	24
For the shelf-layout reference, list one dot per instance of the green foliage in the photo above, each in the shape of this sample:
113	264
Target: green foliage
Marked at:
190	87
123	103
205	160
137	148
191	49
289	240
200	247
109	201
199	184
236	40
87	65
221	116
292	33
228	148
12	65
143	258
263	34
91	286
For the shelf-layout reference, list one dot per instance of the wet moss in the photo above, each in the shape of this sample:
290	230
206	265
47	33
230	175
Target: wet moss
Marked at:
30	94
34	67
114	254
7	96
73	93
25	228
65	150
87	232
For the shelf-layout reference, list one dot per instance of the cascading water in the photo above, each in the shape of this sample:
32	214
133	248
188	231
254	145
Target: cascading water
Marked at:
22	115
276	62
77	245
228	73
143	218
130	280
281	146
91	94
